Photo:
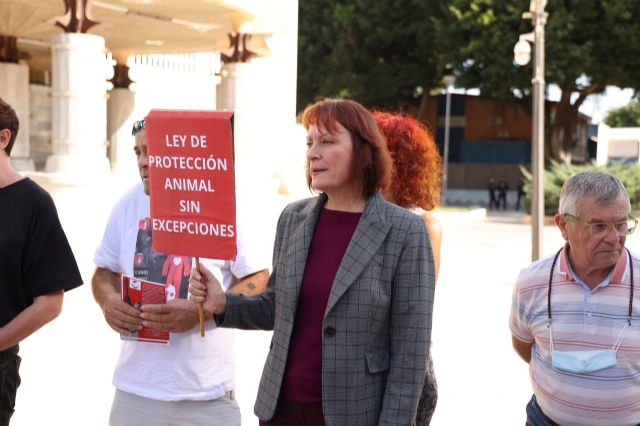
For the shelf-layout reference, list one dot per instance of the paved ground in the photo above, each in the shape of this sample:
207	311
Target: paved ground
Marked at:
67	366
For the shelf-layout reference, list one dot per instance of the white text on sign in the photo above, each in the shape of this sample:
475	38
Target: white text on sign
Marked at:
180	141
189	206
184	184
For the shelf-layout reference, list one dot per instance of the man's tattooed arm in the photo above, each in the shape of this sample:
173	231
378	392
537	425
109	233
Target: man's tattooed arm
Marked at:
251	284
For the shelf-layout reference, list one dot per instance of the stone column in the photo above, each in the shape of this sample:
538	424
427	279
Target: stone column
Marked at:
235	94
120	106
291	147
120	109
270	149
79	123
14	89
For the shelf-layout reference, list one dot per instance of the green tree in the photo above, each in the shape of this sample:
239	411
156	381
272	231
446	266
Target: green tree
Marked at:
383	53
557	173
589	45
626	116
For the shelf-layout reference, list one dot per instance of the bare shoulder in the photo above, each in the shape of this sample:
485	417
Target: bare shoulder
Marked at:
434	226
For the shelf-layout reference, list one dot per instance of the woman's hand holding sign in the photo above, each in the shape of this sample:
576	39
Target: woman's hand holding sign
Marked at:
205	288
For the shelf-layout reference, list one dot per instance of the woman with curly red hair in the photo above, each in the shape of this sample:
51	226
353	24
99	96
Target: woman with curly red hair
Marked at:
415	185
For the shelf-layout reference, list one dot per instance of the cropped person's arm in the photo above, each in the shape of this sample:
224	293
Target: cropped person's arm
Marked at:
522	337
43	310
249	313
523	349
434	227
120	316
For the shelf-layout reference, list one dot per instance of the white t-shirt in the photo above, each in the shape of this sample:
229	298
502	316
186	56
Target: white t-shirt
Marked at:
190	367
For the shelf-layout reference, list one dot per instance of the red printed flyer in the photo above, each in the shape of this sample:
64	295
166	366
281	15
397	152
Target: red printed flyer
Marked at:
137	292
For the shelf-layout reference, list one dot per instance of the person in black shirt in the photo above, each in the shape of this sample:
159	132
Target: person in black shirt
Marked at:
520	193
493	199
36	262
503	187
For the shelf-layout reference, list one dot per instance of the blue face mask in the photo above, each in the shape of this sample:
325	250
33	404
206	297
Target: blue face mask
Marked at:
585	361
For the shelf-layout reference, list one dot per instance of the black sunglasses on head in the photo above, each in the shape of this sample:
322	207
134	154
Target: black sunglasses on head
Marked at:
137	127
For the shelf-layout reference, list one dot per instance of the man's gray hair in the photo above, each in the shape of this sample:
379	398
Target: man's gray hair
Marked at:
603	187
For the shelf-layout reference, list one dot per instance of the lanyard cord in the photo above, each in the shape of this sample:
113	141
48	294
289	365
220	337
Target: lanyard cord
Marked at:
632	284
553	265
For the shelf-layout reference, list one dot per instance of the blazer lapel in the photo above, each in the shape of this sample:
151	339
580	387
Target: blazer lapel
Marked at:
367	239
300	241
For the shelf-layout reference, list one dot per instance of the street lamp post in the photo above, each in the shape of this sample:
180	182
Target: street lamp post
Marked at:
522	54
449	80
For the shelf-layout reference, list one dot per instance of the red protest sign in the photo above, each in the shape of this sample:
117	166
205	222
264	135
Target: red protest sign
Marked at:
191	183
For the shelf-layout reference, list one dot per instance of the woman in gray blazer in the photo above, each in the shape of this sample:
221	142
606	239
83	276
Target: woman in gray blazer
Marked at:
350	295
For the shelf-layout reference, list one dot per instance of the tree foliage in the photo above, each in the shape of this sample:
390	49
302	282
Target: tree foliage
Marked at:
589	45
378	52
557	173
626	116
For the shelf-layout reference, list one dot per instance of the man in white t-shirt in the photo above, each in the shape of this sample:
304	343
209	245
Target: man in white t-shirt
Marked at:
191	380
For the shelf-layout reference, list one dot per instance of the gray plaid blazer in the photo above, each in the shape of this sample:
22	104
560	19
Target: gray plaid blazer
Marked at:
377	325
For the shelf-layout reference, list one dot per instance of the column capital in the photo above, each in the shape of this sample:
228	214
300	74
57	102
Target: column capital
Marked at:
121	78
74	20
9	49
238	43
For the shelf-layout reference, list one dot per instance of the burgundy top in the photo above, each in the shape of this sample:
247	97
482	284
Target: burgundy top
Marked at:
303	375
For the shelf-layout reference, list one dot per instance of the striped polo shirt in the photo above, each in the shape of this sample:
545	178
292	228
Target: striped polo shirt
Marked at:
583	320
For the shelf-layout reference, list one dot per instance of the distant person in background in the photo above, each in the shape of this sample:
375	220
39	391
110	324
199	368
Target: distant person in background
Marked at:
36	263
493	200
415	185
503	187
520	193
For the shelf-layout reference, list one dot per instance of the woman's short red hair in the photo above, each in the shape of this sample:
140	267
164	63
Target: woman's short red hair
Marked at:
372	164
417	163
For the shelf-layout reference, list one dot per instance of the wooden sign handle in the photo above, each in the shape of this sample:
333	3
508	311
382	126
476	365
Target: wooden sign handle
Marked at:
200	305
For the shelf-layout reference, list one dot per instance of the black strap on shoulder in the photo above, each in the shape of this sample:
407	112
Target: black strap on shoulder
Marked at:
553	265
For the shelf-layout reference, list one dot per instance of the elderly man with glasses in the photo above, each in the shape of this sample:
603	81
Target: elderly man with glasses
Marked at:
190	381
574	316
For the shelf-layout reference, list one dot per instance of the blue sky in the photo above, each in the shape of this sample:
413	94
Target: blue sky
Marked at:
597	105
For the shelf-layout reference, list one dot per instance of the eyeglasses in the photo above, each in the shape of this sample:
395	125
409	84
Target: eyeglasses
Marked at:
137	127
600	229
